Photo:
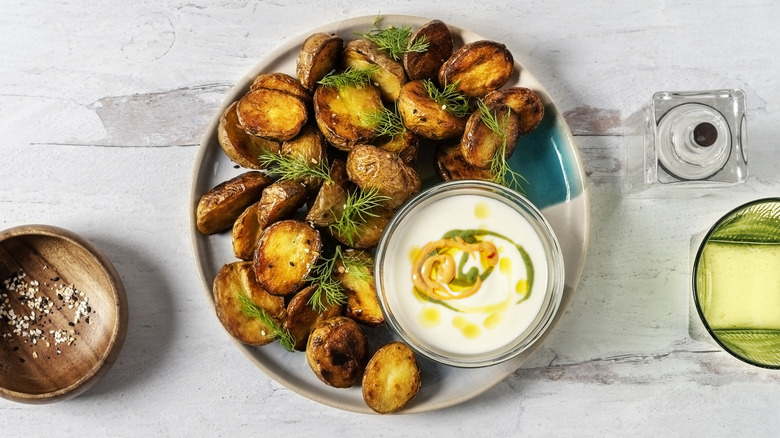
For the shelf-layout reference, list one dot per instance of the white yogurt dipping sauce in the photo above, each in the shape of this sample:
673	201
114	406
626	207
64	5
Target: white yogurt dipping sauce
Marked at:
508	304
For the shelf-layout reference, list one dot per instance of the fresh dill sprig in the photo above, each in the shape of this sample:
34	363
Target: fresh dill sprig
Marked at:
252	310
358	208
448	98
287	167
358	267
385	121
327	291
357	77
395	40
499	167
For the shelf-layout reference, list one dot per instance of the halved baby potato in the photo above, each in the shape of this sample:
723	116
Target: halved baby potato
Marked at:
302	317
389	74
342	114
426	65
524	102
450	165
285	254
309	147
368	231
391	379
272	114
406	145
357	281
370	167
241	147
281	82
478	68
424	116
337	352
319	55
480	143
237	278
219	208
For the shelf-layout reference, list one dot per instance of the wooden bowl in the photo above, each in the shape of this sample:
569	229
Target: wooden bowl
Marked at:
63	314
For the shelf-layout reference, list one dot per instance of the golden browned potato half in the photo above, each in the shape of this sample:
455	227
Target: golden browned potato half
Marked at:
358	284
341	114
524	102
370	167
246	232
480	144
302	317
272	114
406	145
426	65
389	74
337	352
368	232
426	118
391	379
328	204
285	254
478	68
239	278
309	147
219	208
320	53
281	82
242	148
450	165
280	201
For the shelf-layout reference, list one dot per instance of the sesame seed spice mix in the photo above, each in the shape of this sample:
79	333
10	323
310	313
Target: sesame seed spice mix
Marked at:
26	312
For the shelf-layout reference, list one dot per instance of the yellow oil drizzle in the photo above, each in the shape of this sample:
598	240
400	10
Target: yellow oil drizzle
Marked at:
466	327
493	320
505	265
430	317
521	287
481	211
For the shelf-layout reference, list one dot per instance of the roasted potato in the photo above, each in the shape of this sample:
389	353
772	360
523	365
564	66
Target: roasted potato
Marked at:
389	75
302	317
426	118
370	167
241	147
285	254
406	145
524	102
320	53
478	68
337	352
368	232
450	165
426	65
238	278
246	232
281	82
391	379
480	143
357	281
272	114
341	114
310	147
219	208
328	204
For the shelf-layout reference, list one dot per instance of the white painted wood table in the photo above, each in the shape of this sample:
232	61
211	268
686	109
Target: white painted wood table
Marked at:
103	106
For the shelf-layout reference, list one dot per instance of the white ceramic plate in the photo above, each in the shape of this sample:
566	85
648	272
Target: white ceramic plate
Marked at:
548	159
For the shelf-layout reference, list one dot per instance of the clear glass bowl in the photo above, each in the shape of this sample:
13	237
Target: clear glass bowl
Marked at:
517	299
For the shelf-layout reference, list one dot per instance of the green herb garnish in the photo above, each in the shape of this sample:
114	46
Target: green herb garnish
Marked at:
251	309
327	291
385	121
351	77
448	98
500	169
357	210
395	40
287	167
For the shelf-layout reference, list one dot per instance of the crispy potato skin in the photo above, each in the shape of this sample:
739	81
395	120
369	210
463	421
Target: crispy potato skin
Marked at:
310	147
285	254
337	352
339	113
426	118
450	165
219	208
426	65
328	204
362	301
280	201
480	144
370	167
478	68
320	53
246	232
239	278
405	145
281	82
524	102
272	114
390	75
302	317
369	232
391	379
242	148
